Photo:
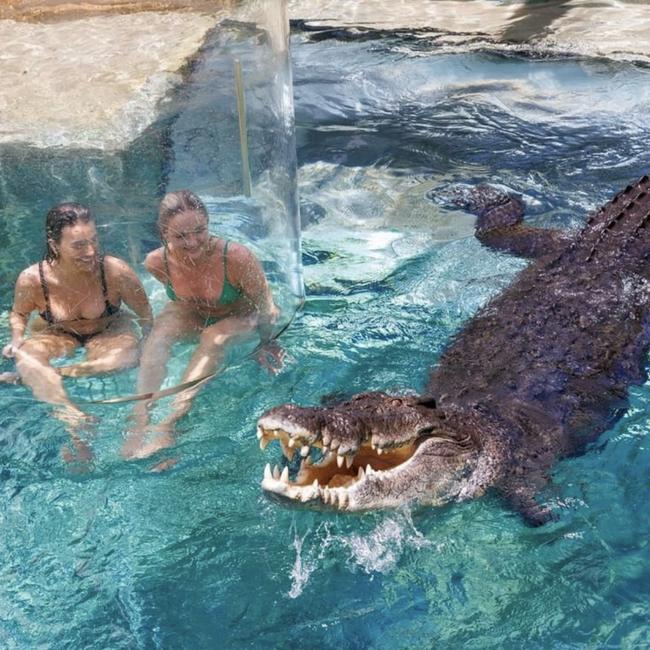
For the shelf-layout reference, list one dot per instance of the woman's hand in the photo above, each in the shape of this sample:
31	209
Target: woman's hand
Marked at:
271	356
9	350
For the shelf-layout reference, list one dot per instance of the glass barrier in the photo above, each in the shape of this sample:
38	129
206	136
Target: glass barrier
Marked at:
114	111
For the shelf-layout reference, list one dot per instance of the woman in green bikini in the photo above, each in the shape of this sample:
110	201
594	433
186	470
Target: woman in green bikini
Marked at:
218	293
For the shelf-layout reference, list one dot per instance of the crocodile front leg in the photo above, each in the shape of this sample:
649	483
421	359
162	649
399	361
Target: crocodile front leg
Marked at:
499	224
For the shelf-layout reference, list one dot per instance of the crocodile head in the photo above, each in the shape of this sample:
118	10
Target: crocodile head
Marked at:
376	451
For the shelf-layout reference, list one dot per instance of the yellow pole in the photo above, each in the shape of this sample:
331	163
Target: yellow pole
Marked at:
243	140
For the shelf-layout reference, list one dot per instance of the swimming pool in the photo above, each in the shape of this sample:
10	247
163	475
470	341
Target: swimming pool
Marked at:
120	557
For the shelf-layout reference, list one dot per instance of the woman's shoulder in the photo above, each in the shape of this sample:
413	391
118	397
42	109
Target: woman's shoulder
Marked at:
236	252
30	277
28	285
115	266
154	261
155	264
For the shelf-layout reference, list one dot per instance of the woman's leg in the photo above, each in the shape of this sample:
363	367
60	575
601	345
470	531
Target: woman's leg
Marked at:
116	348
36	372
207	357
170	326
203	363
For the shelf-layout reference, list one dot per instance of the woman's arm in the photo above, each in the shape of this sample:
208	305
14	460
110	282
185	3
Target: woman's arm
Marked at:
133	293
24	305
245	272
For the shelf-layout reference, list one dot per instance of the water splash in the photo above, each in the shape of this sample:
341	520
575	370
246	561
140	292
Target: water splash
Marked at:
302	568
381	549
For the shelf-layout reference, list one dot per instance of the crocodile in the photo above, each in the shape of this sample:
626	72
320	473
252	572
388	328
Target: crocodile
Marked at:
540	372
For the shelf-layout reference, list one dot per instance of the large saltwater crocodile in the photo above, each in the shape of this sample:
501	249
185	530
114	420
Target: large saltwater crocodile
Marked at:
535	376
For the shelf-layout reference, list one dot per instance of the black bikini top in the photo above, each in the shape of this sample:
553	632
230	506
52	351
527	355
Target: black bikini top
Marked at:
109	308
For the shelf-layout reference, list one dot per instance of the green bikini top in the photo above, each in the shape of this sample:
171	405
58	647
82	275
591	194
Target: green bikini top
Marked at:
229	294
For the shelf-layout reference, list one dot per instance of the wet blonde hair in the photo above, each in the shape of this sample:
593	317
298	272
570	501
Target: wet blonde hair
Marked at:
174	203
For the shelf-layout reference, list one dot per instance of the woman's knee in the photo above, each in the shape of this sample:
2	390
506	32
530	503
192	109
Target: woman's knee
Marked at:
218	334
161	338
128	356
33	350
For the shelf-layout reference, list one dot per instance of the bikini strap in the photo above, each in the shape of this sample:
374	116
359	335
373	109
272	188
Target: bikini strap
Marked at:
46	293
225	261
166	263
102	274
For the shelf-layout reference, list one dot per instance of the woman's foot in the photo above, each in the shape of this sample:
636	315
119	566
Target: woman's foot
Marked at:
75	418
137	446
78	455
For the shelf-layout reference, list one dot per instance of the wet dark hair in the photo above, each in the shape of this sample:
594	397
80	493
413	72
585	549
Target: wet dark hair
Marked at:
60	216
174	203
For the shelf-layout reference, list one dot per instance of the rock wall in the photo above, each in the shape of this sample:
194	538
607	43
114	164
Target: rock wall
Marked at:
58	10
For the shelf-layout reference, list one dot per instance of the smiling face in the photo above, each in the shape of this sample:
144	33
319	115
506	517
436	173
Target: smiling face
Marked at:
78	246
186	234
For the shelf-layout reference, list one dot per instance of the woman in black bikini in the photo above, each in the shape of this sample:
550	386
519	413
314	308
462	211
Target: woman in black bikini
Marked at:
78	294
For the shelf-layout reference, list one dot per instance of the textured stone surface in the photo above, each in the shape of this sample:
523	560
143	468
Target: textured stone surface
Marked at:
94	82
93	74
55	10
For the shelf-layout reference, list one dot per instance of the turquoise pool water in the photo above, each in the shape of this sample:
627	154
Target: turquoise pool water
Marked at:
198	557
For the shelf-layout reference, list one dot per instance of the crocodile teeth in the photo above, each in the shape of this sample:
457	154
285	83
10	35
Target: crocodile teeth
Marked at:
288	451
260	433
264	443
380	451
276	472
348	461
267	471
339	461
343	499
326	495
304	451
369	469
326	460
292	442
360	474
284	477
315	484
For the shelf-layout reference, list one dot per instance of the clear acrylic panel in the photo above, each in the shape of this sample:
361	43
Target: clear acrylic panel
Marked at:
114	110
